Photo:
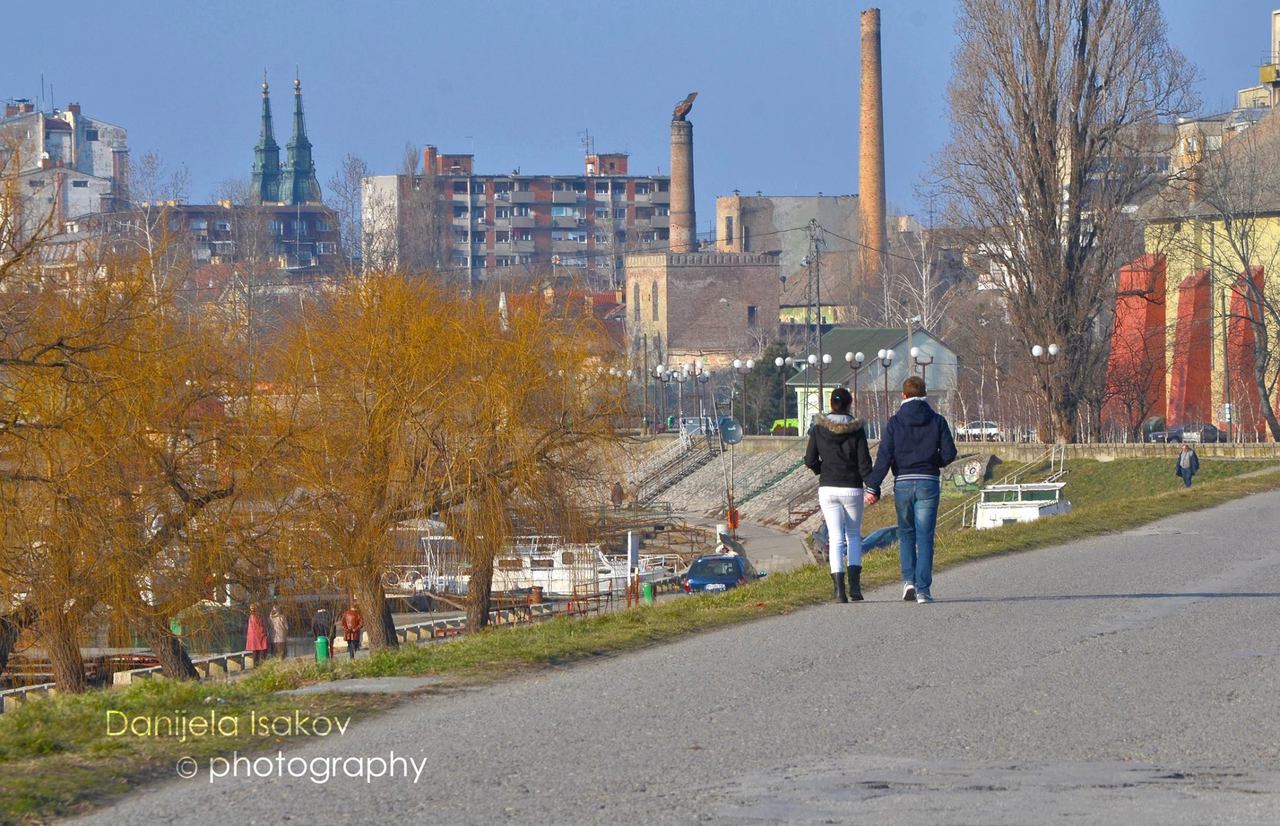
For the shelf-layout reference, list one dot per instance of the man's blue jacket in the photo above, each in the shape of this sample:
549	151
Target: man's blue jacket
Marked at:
916	444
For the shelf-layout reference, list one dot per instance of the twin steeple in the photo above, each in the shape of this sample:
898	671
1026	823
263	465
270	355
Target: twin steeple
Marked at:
295	183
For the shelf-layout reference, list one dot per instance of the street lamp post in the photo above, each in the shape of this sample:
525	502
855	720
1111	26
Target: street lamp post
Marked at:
682	376
1045	356
922	360
854	360
741	368
886	361
662	377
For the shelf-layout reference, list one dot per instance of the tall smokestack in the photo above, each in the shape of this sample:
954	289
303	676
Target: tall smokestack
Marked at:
871	209
682	222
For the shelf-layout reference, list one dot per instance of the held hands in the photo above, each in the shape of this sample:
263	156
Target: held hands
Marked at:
869	498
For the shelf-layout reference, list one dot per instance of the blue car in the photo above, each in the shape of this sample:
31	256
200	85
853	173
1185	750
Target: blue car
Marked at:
718	572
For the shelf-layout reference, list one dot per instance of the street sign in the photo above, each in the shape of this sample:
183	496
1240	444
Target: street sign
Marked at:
730	431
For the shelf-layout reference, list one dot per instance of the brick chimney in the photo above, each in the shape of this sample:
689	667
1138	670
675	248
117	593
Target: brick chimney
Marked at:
683	223
871	206
73	108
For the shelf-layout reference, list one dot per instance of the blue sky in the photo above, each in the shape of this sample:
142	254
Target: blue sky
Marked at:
517	81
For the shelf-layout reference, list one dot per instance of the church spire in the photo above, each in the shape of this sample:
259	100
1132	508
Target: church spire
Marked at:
266	161
299	185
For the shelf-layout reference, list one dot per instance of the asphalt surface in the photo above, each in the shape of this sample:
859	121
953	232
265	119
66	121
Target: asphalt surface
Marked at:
1122	679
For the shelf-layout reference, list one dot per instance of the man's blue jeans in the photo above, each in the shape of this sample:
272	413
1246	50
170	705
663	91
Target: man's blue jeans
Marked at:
916	501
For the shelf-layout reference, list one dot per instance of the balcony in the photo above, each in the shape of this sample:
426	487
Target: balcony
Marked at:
522	221
565	222
661	198
569	197
522	246
523	197
663	221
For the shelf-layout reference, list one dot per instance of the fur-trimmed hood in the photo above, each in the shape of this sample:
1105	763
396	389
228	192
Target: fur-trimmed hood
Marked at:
828	422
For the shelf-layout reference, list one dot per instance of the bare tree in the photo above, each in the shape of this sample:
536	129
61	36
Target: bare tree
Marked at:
1056	112
344	194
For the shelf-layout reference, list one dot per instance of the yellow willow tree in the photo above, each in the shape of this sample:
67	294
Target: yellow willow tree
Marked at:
367	370
127	443
528	418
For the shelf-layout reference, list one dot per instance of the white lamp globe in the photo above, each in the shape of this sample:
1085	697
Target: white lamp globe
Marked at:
826	358
1037	351
751	363
859	357
848	357
737	363
1054	350
915	352
812	359
888	355
880	353
778	362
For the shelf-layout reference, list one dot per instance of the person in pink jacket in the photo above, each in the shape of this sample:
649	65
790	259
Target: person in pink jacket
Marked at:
255	638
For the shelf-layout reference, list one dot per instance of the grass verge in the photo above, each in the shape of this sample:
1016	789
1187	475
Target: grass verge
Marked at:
58	756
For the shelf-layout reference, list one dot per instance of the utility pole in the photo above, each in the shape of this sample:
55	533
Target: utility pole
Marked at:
815	277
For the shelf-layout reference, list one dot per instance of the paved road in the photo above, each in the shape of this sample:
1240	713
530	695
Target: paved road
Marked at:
1126	679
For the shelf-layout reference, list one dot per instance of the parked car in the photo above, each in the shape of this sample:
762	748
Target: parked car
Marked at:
718	572
1193	432
979	432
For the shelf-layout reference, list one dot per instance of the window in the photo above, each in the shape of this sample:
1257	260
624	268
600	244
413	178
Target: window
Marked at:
91	134
505	261
644	213
459	186
653	297
663	186
34	184
620	214
746	239
503	236
728	229
501	213
644	189
580	187
320	226
602	186
561	211
199	224
602	212
751	316
664	210
501	186
635	302
524	235
222	226
80	184
478	262
461	212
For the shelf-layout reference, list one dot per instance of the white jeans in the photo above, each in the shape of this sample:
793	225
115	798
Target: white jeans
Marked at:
842	509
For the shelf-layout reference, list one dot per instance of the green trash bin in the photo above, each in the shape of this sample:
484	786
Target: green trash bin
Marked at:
322	649
647	593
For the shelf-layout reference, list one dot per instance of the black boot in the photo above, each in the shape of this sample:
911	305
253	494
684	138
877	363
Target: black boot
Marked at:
855	583
840	594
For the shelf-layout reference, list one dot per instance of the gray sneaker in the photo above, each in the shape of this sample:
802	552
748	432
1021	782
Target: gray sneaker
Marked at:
908	592
923	599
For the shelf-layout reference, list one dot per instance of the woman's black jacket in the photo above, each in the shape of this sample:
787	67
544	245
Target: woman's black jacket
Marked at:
838	451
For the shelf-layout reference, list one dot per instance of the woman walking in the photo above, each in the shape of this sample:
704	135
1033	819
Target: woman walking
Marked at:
1188	464
279	631
352	626
839	456
255	636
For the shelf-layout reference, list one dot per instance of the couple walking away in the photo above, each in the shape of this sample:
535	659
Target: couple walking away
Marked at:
916	445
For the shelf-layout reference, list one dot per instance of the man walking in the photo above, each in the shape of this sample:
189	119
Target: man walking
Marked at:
1188	464
916	445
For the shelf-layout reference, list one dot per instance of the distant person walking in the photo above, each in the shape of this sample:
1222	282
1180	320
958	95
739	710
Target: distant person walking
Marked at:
255	636
279	631
917	444
322	626
1188	465
352	626
839	456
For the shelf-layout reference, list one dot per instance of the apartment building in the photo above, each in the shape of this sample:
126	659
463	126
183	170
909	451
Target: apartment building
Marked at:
67	164
448	218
